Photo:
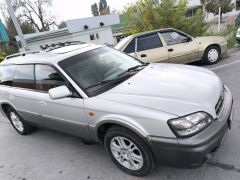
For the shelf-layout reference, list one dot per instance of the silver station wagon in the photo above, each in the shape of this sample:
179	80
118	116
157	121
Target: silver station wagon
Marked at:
143	114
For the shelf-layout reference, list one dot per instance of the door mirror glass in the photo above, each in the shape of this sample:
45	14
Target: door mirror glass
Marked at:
59	92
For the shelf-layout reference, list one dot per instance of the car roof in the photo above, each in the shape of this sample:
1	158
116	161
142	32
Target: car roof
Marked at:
52	56
126	40
157	30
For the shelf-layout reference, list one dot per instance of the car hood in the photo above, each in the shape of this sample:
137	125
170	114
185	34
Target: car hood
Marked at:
211	39
175	89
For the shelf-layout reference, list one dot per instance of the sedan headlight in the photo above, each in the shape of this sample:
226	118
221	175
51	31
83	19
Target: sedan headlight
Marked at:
191	124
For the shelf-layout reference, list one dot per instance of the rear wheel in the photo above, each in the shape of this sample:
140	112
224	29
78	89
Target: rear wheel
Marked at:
212	55
128	151
21	126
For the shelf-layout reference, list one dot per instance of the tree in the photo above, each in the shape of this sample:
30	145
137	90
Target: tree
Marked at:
212	6
12	46
146	15
35	12
103	7
94	8
62	25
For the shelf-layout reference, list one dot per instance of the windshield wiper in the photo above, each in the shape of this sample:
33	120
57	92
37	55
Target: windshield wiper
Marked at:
115	80
120	77
132	69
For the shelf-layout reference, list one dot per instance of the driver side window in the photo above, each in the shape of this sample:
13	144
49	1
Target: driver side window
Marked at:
173	37
47	78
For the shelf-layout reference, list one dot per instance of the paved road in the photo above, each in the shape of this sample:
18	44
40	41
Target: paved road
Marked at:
47	155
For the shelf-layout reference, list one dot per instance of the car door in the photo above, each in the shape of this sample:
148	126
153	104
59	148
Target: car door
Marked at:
181	48
23	96
150	48
66	114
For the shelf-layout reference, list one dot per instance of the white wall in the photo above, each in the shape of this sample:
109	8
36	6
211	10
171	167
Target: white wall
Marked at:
104	37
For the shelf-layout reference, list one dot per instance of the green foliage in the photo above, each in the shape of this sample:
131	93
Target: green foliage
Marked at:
237	21
146	15
2	57
213	6
103	7
62	25
94	8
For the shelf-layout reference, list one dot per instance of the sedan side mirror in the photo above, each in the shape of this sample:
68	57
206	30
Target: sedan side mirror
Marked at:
59	92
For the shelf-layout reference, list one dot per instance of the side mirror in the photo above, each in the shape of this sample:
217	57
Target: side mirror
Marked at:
189	39
59	92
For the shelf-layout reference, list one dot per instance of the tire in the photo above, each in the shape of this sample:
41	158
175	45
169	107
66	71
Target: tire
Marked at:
21	126
212	55
140	156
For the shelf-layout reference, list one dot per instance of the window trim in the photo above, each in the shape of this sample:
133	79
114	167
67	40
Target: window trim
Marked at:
76	93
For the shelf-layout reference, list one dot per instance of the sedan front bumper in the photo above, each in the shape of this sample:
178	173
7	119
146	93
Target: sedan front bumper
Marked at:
190	152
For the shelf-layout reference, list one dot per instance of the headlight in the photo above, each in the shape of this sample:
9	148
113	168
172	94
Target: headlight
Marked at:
189	125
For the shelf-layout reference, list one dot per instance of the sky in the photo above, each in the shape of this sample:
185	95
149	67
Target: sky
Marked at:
73	9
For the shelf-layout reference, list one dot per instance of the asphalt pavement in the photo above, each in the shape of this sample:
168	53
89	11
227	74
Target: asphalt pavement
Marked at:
48	155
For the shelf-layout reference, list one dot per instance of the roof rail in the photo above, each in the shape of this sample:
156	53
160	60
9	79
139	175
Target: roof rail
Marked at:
21	54
50	47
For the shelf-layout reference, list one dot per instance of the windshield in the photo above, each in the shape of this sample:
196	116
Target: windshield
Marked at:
104	64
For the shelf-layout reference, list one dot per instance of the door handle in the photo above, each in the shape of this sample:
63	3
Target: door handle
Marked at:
42	103
170	50
143	55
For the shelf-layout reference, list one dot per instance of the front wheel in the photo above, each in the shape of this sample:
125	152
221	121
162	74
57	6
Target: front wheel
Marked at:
212	55
128	151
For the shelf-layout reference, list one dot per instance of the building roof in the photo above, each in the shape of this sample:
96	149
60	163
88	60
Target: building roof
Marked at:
73	26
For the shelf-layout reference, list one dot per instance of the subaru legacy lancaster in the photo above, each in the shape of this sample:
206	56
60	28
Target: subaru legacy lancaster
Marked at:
142	114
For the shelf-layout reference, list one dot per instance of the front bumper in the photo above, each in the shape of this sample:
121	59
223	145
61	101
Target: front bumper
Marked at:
190	152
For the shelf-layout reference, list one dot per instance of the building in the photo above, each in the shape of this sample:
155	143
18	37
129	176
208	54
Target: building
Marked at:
95	30
3	33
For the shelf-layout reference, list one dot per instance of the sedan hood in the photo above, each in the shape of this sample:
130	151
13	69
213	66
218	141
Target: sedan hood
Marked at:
175	89
211	39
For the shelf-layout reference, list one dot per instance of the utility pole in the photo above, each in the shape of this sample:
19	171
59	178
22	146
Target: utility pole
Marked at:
219	19
16	24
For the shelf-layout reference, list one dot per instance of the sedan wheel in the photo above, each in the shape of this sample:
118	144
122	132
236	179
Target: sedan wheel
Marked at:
212	55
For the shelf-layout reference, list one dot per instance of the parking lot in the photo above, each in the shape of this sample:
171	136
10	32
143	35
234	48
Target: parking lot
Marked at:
48	155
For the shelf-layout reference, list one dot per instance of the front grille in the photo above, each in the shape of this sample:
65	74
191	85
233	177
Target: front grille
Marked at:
219	105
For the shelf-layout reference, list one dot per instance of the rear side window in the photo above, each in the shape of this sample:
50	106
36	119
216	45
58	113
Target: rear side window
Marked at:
130	47
24	77
147	42
6	75
47	78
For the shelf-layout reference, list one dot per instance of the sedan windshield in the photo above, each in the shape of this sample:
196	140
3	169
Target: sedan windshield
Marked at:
98	70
